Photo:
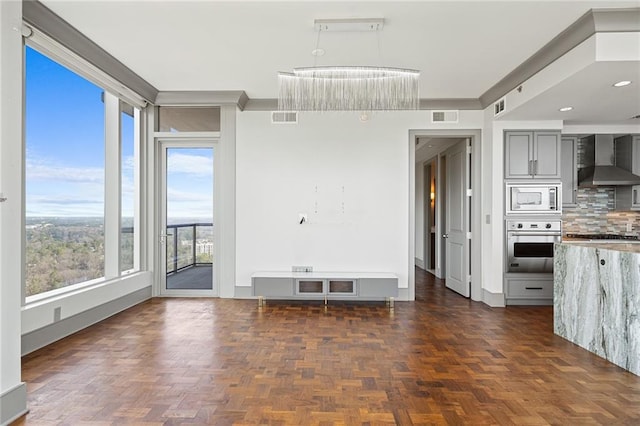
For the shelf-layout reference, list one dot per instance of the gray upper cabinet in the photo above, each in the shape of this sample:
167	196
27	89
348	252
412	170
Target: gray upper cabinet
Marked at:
628	157
635	190
569	169
517	154
532	155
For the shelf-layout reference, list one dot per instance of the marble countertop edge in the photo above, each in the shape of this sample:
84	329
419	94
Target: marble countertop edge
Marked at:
617	246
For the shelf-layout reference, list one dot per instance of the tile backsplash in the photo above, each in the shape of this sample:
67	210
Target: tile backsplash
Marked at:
595	213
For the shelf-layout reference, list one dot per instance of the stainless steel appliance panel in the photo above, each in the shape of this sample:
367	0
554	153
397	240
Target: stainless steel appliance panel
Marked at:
530	245
533	199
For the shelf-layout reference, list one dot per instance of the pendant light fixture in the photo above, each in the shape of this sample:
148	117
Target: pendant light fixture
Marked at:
348	88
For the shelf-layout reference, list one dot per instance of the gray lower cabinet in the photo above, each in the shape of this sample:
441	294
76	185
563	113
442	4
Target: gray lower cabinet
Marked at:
378	287
529	289
532	155
272	286
364	286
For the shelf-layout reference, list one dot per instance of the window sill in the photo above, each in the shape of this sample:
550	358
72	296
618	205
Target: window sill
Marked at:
59	293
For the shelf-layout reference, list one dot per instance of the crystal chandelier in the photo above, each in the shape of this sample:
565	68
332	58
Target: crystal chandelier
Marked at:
348	88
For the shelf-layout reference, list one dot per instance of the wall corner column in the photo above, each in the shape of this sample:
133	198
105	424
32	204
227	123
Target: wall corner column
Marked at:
13	394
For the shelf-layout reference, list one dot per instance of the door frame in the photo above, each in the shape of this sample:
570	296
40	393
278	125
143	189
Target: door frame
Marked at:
163	144
225	210
476	203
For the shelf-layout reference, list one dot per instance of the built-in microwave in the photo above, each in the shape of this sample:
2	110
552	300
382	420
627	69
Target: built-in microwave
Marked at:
533	198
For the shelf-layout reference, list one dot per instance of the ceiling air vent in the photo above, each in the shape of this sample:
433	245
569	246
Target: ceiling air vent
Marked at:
450	116
498	107
284	117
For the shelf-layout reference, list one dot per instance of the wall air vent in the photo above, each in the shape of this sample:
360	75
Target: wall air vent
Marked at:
450	116
498	107
284	117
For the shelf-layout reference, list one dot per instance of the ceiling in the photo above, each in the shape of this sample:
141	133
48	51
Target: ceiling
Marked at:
462	48
428	148
592	95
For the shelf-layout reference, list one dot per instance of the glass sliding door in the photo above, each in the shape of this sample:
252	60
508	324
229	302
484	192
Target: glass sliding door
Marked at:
188	230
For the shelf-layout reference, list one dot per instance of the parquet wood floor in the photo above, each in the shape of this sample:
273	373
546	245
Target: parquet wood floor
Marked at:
440	360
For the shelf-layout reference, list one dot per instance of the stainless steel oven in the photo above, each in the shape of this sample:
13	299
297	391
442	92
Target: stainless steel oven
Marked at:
530	244
533	198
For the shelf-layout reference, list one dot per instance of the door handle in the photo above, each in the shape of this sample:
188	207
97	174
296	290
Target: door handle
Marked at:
163	237
445	235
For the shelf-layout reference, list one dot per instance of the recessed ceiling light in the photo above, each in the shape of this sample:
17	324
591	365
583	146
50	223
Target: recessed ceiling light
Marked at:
317	52
622	83
565	109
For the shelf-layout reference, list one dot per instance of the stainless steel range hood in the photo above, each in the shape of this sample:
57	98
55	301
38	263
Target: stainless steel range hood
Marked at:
600	164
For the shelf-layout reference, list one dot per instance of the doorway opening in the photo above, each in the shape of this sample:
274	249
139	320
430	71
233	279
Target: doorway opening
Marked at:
445	208
188	236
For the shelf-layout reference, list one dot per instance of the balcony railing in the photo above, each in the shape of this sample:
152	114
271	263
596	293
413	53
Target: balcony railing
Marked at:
189	244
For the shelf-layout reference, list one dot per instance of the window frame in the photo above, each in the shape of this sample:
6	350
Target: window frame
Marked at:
114	104
136	113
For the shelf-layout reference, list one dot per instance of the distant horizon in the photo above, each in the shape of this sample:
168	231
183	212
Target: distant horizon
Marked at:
170	220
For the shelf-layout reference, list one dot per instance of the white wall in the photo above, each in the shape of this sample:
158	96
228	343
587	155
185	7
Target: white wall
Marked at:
492	217
279	168
11	247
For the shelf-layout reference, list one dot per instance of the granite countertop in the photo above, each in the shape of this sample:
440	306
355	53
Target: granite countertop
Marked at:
617	245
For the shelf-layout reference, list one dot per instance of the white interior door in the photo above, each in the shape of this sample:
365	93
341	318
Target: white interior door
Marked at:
457	241
187	225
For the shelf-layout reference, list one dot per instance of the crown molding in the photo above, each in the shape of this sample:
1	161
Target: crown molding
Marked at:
214	97
425	104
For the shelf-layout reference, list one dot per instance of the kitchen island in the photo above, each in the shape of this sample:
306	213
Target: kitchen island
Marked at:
597	299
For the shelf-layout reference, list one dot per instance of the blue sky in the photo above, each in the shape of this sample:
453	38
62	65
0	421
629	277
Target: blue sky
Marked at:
65	150
190	184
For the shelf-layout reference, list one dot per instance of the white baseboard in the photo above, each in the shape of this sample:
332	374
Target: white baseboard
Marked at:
495	300
13	404
243	292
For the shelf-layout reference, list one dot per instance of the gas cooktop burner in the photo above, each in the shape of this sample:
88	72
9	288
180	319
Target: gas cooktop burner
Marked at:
603	237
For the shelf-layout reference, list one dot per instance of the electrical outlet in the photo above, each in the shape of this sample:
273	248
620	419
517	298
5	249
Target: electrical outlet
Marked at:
629	227
302	269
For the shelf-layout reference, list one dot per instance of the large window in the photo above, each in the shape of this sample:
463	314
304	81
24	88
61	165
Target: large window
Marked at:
67	232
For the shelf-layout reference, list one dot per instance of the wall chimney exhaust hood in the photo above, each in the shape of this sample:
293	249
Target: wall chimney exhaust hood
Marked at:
600	166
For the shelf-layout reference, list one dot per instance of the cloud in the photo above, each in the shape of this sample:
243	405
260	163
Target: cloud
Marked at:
64	201
59	190
41	171
190	164
189	204
179	196
129	163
